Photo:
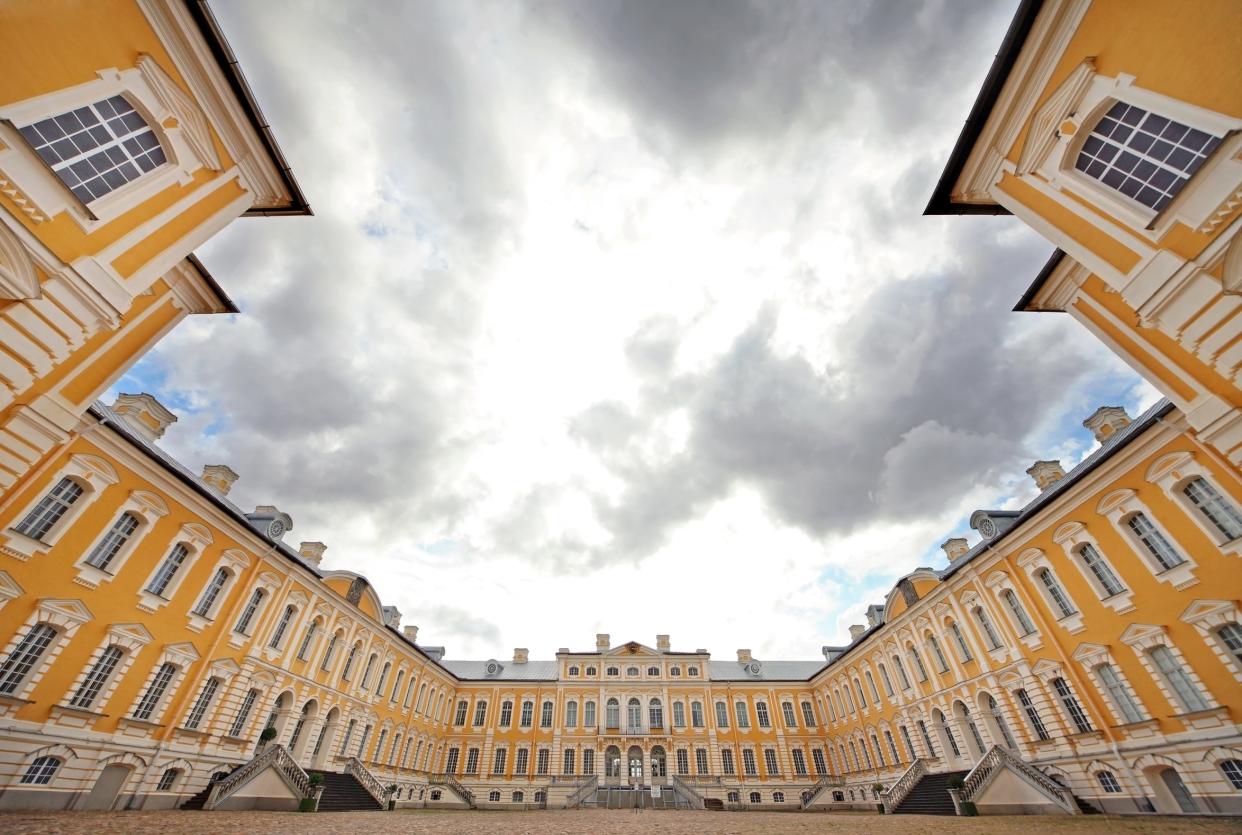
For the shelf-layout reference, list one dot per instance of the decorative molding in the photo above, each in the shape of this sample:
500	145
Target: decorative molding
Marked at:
1046	126
189	116
18	279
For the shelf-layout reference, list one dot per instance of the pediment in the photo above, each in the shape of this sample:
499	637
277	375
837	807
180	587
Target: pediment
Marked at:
1046	667
1047	122
1140	633
9	588
64	612
132	635
1087	651
190	118
1205	610
183	652
632	649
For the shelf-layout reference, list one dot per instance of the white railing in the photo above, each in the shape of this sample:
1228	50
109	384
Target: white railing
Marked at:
585	788
276	756
904	785
450	781
680	786
818	789
354	768
997	758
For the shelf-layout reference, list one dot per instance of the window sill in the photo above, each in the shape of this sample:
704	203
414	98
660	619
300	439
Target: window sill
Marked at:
15	701
1121	602
57	710
150	602
1212	717
21	547
1145	727
143	724
1180	576
1072	623
198	622
192	732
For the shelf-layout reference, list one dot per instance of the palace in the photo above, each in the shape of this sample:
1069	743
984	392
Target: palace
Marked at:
162	647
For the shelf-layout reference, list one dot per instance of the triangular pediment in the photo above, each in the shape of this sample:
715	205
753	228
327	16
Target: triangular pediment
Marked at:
632	649
1206	609
134	635
1045	126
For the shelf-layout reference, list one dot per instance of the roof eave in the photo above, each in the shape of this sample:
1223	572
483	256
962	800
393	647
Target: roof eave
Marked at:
1045	272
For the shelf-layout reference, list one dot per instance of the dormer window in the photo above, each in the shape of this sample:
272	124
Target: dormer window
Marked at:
631	671
96	149
614	671
1145	156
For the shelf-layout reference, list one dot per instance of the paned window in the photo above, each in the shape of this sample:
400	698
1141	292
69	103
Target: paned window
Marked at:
472	761
700	760
97	148
683	761
1231	636
1072	707
696	714
1145	156
541	761
98	676
799	761
679	714
1019	614
1222	514
726	760
918	663
884	677
311	629
817	759
1057	594
243	715
1154	542
748	762
743	717
527	716
506	714
1232	769
218	581
545	715
905	737
498	760
769	761
571	714
1108	782
49	509
247	615
480	712
1032	714
942	663
1119	693
285	619
892	746
168	779
1102	571
588	715
927	740
459	717
1175	674
349	661
994	641
521	761
808	715
105	551
722	714
612	713
588	761
655	713
875	694
24	657
901	673
155	691
167	570
761	713
567	764
203	702
41	771
787	713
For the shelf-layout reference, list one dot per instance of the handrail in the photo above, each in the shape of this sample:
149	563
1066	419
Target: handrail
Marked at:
587	786
448	780
274	755
817	789
680	784
904	785
358	771
998	757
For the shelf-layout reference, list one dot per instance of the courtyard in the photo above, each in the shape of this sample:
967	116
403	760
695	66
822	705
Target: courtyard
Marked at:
614	822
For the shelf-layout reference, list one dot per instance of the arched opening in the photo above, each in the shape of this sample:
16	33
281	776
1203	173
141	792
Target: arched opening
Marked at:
634	716
303	729
327	735
103	795
970	731
612	762
634	757
1171	794
994	719
946	742
659	764
279	717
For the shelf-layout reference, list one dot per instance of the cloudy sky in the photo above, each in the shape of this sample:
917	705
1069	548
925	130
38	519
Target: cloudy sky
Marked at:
623	317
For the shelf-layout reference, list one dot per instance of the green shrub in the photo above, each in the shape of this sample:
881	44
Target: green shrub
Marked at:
968	809
316	779
956	781
268	735
306	804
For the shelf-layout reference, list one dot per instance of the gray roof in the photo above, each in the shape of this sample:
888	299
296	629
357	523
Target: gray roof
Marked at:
772	670
530	671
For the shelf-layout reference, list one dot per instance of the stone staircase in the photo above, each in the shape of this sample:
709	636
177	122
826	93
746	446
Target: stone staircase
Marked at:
196	802
343	793
930	796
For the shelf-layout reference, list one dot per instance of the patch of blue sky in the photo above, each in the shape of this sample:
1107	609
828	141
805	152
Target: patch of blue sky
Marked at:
441	547
151	377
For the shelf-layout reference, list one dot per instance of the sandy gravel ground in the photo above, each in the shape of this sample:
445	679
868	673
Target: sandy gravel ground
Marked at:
608	822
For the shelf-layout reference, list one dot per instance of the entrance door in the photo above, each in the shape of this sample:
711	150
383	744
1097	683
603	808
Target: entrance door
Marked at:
106	788
1173	782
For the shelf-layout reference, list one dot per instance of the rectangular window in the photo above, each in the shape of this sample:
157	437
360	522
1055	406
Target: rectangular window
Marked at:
743	717
541	761
472	761
761	712
218	580
1101	570
480	713
1175	674
769	762
1032	714
204	701
787	713
567	766
588	762
247	615
528	712
498	760
1061	604
239	723
821	765
122	529
683	762
588	715
1154	542
50	509
1118	693
808	713
459	716
748	762
155	692
961	641
1019	614
726	760
700	760
521	761
1223	515
450	764
545	715
799	762
167	570
98	676
1072	707
696	714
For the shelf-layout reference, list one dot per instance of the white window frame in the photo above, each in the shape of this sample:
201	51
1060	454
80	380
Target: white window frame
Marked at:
1034	560
1172	473
64	616
1093	95
1142	638
1000	582
172	115
1207	616
92	474
131	638
1118	506
1090	656
149	509
269	583
195	538
182	656
1074	535
236	563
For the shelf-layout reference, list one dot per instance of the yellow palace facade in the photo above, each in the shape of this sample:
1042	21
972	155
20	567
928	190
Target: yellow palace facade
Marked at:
161	646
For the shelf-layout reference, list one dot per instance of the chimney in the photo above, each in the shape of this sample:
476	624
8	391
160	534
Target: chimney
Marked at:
1105	421
875	614
312	552
434	653
521	655
218	477
856	631
144	414
954	547
392	616
743	655
410	632
601	641
662	643
1046	473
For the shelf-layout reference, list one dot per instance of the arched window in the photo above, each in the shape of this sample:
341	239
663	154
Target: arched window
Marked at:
1154	542
998	719
755	797
41	771
674	671
248	613
396	686
1142	155
1232	769
654	672
692	671
573	671
613	671
631	671
1060	602
105	551
506	713
700	760
283	625
655	712
98	676
571	714
39	521
499	759
97	148
612	713
1221	513
545	715
778	797
24	657
379	685
155	691
493	796
590	671
947	731
168	780
696	714
519	797
218	581
168	569
588	714
634	714
1101	570
1108	782
311	629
